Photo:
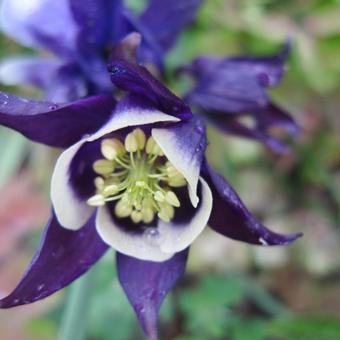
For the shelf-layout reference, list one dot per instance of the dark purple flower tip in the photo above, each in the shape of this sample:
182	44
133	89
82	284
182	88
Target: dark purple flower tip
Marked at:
260	129
58	125
147	283
230	125
136	79
62	257
231	218
275	116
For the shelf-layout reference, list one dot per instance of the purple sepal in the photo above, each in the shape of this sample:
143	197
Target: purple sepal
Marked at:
271	116
274	116
268	69
63	256
231	125
146	284
94	20
236	84
58	125
231	218
134	78
167	18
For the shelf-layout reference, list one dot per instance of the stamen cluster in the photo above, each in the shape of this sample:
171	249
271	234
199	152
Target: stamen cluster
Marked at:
138	176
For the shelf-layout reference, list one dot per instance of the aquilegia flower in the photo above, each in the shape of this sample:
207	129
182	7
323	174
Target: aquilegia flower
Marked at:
133	178
228	90
79	36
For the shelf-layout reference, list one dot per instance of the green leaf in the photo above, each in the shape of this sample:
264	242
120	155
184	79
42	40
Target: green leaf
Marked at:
306	328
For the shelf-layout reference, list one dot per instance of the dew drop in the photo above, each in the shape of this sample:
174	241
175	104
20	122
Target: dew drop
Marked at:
200	129
116	69
263	241
53	107
152	236
58	252
40	287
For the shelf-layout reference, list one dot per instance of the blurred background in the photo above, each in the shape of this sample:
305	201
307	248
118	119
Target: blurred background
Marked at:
231	290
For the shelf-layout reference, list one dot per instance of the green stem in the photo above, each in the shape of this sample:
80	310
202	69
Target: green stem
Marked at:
74	320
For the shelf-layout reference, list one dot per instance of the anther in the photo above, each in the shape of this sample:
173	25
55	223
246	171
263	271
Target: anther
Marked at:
148	215
166	213
99	183
159	196
172	199
131	143
122	209
136	216
153	148
110	190
140	137
112	148
103	166
96	200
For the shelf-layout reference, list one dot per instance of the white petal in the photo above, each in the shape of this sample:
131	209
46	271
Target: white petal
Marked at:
155	244
71	212
178	237
132	117
181	158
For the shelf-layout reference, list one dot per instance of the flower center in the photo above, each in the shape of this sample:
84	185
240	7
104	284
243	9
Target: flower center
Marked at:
138	176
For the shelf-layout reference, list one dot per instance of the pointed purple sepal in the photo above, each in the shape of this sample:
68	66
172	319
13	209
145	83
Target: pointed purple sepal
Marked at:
146	284
275	116
231	218
264	120
63	256
234	84
58	125
133	78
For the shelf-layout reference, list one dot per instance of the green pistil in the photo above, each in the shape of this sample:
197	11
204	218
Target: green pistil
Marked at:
138	177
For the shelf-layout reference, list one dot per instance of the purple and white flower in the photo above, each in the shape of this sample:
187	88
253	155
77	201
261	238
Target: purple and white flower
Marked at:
133	177
78	36
229	90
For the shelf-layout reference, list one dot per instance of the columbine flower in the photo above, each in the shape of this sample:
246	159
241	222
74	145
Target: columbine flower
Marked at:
133	178
79	34
228	90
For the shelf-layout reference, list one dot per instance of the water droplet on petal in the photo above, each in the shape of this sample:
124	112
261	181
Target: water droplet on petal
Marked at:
58	252
40	287
152	236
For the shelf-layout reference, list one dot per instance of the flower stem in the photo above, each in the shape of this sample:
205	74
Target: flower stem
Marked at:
74	320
